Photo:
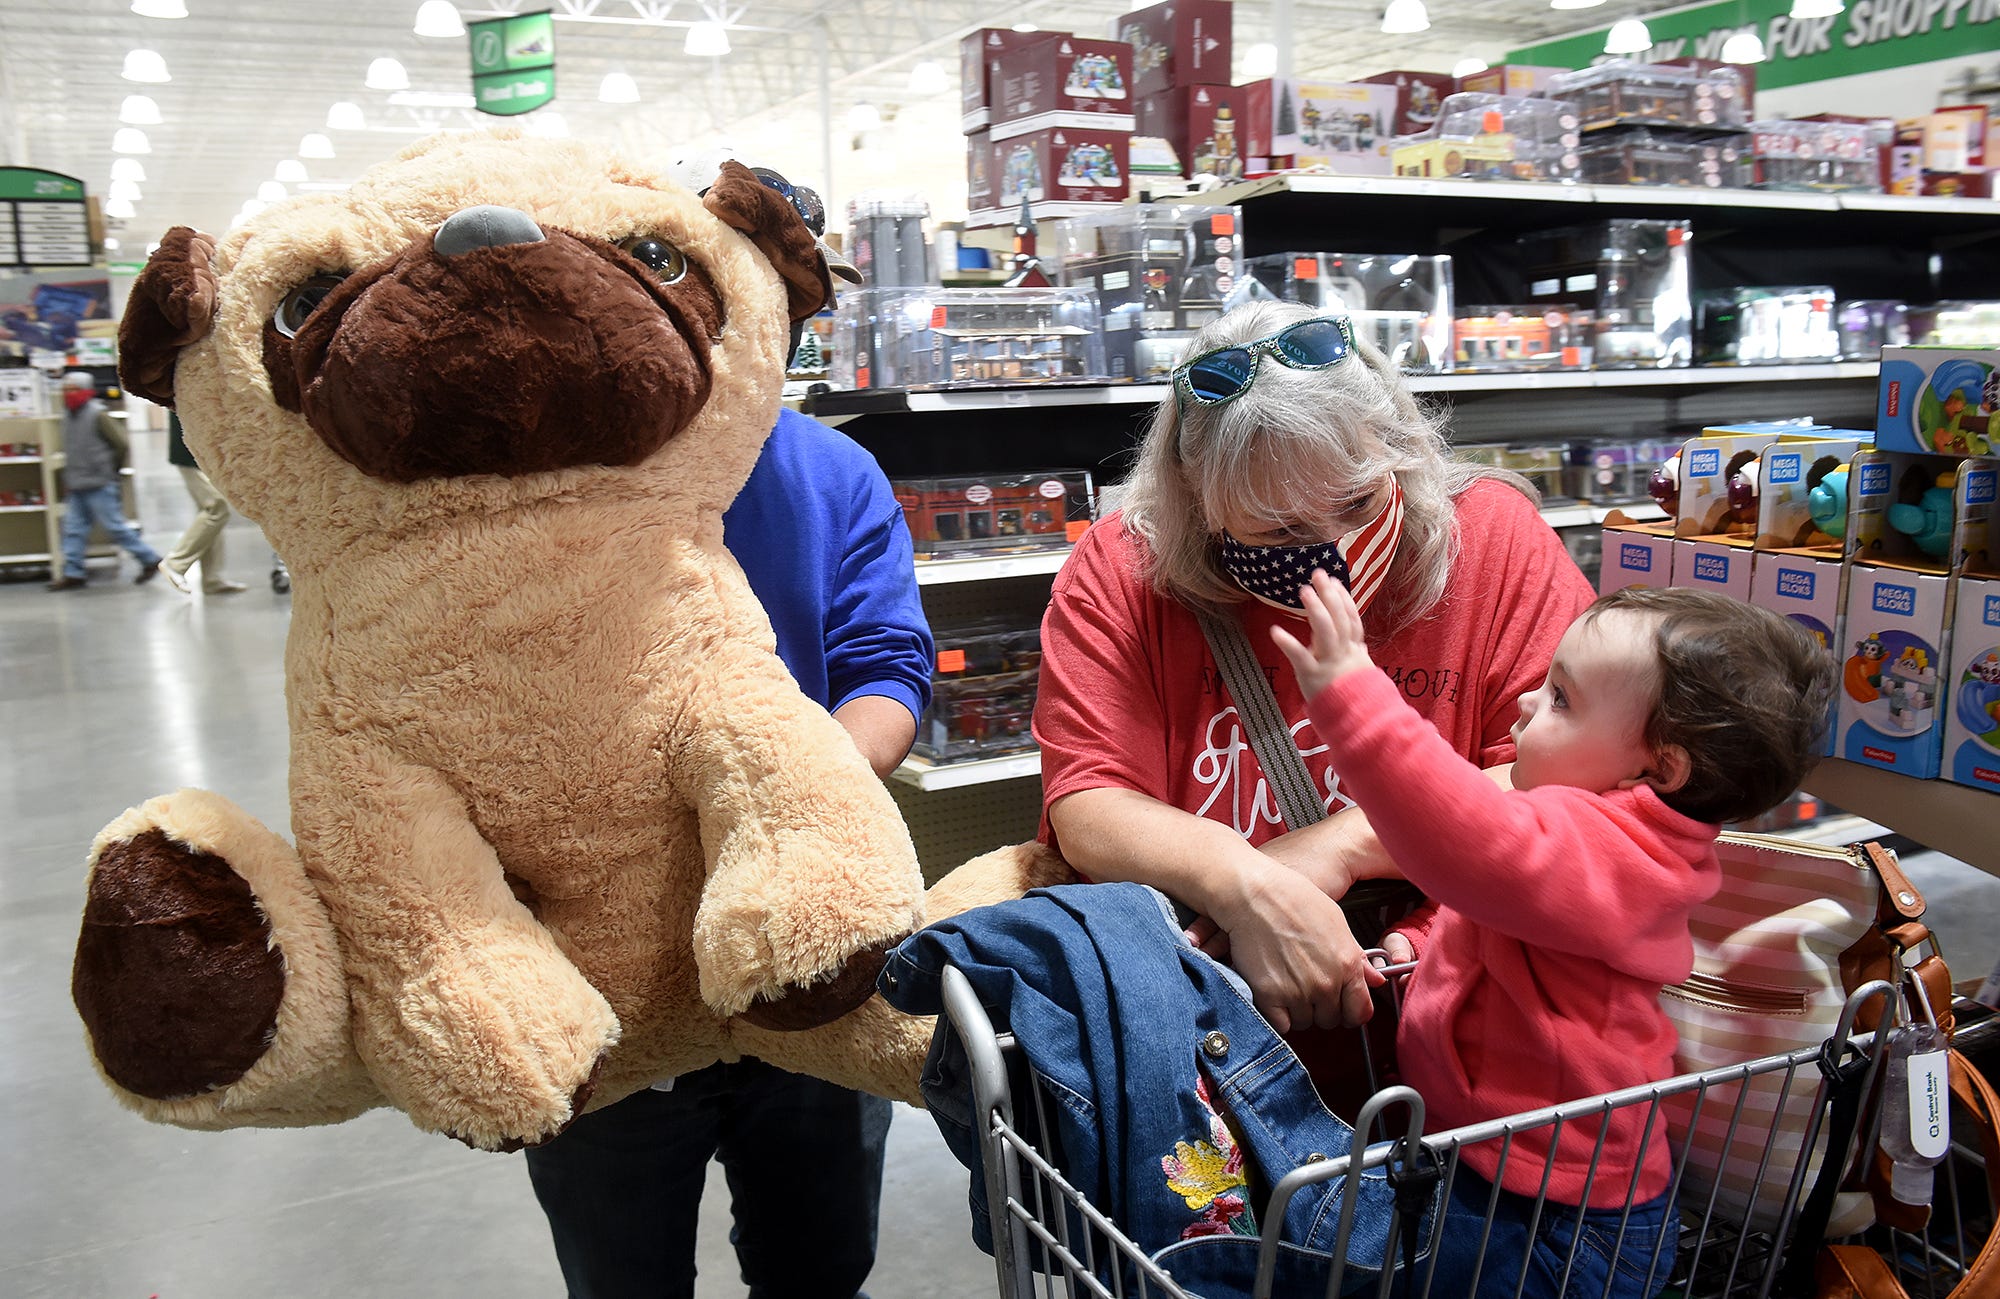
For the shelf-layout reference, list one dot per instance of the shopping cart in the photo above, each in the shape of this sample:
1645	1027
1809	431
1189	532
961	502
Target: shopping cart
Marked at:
1049	1239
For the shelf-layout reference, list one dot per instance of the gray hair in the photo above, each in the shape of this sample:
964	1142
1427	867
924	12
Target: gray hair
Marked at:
1298	446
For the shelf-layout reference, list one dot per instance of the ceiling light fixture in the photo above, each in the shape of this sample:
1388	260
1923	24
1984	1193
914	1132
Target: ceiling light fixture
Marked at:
1816	8
1743	47
433	99
291	171
1574	4
1628	36
271	192
110	244
315	145
387	74
439	18
159	8
927	78
345	116
146	66
1405	18
1026	27
130	139
864	117
124	189
1466	67
118	209
550	125
1260	61
251	207
707	39
139	110
618	88
128	169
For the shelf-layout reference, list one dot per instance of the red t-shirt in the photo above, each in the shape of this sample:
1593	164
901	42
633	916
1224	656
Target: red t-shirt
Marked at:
1130	696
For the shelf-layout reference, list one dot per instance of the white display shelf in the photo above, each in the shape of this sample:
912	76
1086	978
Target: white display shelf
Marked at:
20	460
987	568
956	775
1579	516
1956	820
22	509
1395	187
27	557
1912	204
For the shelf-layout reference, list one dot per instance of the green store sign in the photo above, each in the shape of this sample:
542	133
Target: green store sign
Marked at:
28	183
1868	36
513	63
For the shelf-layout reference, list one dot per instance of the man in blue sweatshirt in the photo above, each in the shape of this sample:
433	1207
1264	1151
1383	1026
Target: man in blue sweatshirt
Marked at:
822	539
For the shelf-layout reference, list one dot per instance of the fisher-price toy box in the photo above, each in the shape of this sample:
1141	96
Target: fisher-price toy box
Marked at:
1972	686
1901	527
1939	400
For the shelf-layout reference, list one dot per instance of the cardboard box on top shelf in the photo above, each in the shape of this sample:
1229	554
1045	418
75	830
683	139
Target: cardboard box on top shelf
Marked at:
1069	81
1801	502
1940	400
982	173
1970	694
1419	96
1178	43
1204	124
1068	164
1905	538
1746	73
1955	138
1343	126
978	62
1509	79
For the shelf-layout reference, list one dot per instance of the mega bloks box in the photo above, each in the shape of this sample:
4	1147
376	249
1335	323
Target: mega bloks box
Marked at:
1635	554
978	59
1714	565
1894	646
1178	43
1972	685
1940	400
1066	163
1203	123
1805	588
1420	97
1069	81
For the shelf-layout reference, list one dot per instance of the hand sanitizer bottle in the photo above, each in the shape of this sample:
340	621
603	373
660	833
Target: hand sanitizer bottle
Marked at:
1916	1110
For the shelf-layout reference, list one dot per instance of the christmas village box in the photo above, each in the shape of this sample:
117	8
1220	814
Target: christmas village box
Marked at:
978	62
1343	126
1073	164
1179	43
1203	123
1065	82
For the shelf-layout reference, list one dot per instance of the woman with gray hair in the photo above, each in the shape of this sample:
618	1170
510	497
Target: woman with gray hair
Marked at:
1286	446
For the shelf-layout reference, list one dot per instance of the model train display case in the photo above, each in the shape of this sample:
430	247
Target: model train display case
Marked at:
982	694
1488	340
1766	326
1632	276
1622	93
1647	157
944	338
1401	303
954	517
1160	271
1494	137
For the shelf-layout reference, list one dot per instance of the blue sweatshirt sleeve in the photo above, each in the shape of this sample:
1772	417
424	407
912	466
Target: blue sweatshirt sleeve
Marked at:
877	639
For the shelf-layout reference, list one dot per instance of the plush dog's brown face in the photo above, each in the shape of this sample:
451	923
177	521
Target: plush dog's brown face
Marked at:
530	333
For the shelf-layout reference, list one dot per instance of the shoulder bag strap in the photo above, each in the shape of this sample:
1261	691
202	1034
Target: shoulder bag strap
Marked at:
1270	737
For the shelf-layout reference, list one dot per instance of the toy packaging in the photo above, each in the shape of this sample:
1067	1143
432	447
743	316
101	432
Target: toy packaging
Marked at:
944	338
1623	93
1065	164
1160	272
1822	156
1765	326
1956	324
954	517
1939	400
885	238
1489	339
1342	126
1178	43
1203	123
1067	82
978	62
1400	303
1643	157
1494	137
1635	554
1972	686
1516	79
1806	589
1420	97
982	694
1867	325
1633	278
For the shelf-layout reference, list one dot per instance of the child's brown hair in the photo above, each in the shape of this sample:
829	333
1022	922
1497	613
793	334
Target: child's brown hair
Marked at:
1744	691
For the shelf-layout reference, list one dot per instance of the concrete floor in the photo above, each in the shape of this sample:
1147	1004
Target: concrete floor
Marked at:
113	694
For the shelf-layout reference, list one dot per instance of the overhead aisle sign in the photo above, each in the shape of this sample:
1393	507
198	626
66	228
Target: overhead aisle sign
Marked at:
513	63
44	220
1868	36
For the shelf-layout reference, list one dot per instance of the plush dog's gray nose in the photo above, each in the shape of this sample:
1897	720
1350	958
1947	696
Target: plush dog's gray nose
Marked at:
486	226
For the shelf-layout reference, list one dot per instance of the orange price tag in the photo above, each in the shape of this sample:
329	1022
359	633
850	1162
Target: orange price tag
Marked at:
1305	268
1073	530
1223	224
951	660
1572	358
937	317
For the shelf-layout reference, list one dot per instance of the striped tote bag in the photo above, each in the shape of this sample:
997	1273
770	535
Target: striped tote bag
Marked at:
1792	930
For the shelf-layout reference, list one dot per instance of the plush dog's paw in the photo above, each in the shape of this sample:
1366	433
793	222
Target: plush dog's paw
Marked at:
800	1007
208	975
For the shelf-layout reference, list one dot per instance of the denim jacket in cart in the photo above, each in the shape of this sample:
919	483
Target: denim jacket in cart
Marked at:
1142	1044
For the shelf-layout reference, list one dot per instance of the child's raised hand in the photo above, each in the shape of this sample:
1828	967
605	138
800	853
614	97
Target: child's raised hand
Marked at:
1338	646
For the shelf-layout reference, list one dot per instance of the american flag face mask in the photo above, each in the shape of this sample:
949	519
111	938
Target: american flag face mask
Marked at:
1359	560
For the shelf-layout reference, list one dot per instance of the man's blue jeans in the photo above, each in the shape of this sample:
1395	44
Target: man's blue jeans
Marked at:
622	1187
99	505
1599	1255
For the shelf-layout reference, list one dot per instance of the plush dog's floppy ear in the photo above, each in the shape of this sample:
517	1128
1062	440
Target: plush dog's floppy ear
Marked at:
172	305
745	203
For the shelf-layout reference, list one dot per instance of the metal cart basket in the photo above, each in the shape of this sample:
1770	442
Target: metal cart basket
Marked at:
1049	1239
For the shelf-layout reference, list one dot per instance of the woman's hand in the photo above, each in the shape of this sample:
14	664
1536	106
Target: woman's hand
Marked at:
1291	944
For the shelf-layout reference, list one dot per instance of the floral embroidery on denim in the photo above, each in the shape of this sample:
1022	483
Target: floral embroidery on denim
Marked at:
1208	1175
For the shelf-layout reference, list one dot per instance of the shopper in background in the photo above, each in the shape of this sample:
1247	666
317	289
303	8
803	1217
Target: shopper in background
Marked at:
821	538
94	450
202	542
1285	447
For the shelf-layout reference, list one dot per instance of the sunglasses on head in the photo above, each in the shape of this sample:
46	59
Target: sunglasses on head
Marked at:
805	202
1225	373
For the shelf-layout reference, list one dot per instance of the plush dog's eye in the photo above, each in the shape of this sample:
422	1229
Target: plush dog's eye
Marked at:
663	259
302	301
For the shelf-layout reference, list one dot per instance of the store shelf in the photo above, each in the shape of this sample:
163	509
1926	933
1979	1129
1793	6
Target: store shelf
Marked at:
1956	820
956	775
26	557
935	572
22	509
898	401
1579	516
20	460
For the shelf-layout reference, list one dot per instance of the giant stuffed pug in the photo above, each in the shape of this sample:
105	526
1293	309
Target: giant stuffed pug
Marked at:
564	823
